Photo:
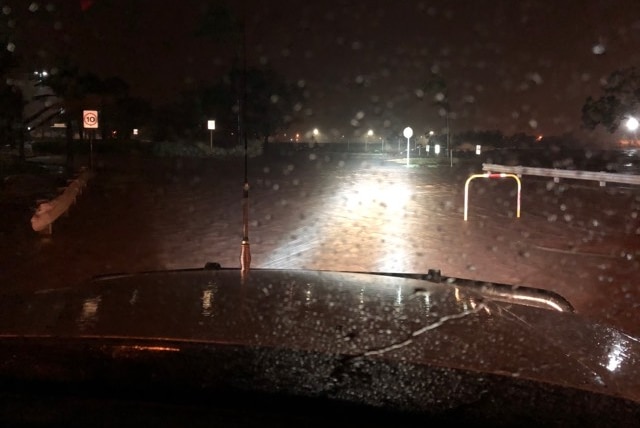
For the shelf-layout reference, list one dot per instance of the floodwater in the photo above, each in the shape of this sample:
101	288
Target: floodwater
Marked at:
329	211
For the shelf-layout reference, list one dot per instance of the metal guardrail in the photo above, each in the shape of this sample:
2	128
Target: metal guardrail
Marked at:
49	211
601	177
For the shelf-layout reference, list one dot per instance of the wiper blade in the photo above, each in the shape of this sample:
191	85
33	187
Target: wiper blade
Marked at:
509	293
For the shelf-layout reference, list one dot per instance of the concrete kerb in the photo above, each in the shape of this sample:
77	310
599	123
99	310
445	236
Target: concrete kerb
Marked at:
49	211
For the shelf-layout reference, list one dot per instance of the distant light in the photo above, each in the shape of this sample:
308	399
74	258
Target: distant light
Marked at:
408	132
135	131
478	149
370	133
437	149
632	124
539	138
211	124
598	49
315	131
430	133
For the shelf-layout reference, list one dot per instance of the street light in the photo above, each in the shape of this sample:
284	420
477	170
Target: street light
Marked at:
408	132
632	125
428	145
211	125
366	140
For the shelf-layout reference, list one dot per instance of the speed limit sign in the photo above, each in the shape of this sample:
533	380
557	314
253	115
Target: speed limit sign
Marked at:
90	118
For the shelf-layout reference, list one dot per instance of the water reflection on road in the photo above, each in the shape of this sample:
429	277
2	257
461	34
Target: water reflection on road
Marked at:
331	212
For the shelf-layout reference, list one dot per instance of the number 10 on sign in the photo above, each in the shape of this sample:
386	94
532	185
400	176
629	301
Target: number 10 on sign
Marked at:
90	119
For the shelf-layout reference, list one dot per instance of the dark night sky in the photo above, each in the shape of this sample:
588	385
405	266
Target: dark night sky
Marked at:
518	66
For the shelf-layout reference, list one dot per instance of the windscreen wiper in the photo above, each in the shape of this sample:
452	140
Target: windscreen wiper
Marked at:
509	293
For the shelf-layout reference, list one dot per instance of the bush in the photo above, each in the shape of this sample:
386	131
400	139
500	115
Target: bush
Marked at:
59	147
173	149
160	149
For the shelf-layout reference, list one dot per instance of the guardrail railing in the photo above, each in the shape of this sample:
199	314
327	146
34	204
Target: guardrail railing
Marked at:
49	211
601	177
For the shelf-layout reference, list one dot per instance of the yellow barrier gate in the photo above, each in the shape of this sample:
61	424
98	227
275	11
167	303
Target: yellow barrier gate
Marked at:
490	175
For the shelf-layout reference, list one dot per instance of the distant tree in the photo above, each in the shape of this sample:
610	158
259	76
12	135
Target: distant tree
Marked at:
112	92
520	140
76	91
621	98
131	113
220	24
262	102
269	101
493	138
11	124
183	117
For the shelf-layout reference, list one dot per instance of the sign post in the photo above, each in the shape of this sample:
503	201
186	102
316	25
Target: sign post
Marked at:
90	121
211	124
408	133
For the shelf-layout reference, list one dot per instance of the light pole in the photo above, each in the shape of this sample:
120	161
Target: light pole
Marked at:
632	125
366	140
211	125
408	132
428	145
315	135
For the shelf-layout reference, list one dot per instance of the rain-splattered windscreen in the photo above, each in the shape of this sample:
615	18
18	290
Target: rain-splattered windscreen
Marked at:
494	141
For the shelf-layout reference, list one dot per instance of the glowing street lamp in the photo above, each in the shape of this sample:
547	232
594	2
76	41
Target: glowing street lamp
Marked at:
632	125
408	133
211	125
366	140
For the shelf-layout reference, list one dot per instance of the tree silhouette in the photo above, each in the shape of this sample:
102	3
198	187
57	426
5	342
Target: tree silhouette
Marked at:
621	99
269	102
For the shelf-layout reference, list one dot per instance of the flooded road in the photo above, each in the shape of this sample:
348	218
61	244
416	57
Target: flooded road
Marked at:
336	212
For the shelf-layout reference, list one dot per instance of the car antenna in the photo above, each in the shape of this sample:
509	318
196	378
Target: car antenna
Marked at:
245	249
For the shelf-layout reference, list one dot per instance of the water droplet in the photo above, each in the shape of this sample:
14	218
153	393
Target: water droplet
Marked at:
598	49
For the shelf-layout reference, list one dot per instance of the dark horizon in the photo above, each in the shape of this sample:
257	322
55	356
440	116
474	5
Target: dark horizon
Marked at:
514	66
